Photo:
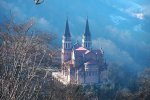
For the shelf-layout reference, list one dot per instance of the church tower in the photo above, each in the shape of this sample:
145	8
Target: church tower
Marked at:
86	38
66	45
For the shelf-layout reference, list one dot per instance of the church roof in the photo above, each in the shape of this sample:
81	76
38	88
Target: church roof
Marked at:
81	49
91	63
88	51
67	30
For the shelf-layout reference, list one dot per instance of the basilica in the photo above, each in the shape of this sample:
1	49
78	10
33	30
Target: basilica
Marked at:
80	63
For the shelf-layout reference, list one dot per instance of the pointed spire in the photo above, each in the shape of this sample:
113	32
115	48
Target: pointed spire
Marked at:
86	39
67	30
87	30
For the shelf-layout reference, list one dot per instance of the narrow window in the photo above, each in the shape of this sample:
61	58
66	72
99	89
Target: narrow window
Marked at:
87	45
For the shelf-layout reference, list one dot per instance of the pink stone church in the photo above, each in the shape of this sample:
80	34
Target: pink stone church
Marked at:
81	64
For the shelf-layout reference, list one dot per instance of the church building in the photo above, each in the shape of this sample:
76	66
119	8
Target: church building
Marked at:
80	63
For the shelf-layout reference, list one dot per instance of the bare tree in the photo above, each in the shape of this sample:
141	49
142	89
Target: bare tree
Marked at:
144	85
22	53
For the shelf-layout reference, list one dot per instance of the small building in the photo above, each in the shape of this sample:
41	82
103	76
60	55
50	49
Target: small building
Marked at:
80	63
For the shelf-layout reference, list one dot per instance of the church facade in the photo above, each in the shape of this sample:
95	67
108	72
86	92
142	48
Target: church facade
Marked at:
80	63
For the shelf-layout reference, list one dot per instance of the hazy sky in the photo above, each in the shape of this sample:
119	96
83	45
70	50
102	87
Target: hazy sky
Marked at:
120	27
